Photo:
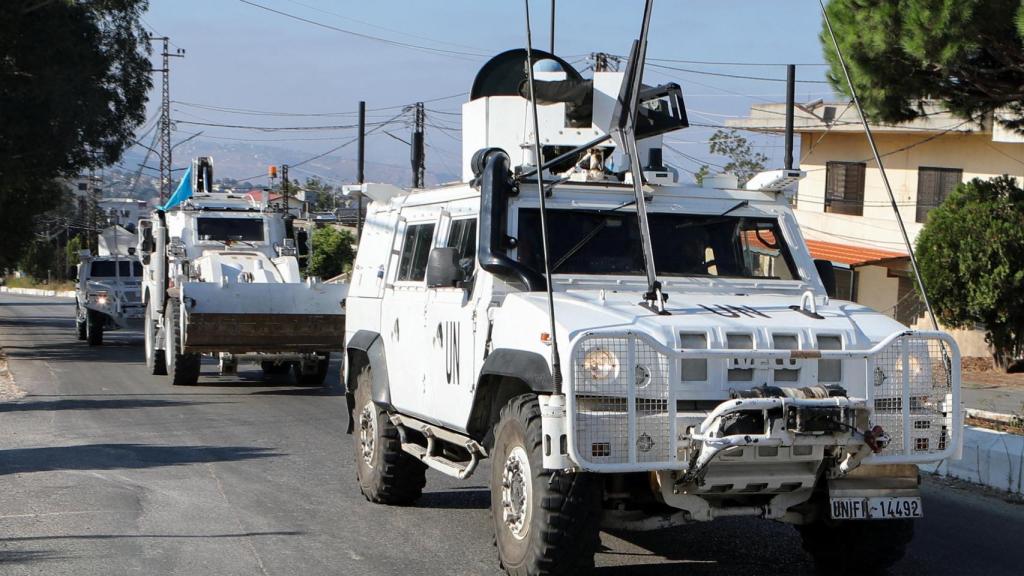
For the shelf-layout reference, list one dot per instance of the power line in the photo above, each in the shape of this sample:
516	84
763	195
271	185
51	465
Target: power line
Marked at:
334	149
439	51
713	63
740	76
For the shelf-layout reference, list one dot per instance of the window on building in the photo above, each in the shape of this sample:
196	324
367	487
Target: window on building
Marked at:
415	251
844	283
82	186
933	186
844	187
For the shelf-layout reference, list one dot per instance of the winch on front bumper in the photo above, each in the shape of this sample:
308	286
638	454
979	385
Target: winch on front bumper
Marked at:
629	409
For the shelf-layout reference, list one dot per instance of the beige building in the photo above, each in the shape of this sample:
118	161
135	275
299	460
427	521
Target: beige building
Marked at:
844	210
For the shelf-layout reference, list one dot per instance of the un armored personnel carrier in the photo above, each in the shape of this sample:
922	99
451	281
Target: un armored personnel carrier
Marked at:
630	351
107	286
221	277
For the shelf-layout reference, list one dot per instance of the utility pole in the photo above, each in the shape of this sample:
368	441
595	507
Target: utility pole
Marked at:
284	188
165	115
552	27
359	168
419	160
790	104
604	62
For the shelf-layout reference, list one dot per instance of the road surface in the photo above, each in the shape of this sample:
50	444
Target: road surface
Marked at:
105	470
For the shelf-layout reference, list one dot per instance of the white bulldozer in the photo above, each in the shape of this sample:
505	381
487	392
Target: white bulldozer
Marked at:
221	278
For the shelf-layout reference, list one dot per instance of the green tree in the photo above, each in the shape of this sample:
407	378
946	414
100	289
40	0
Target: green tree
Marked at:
74	75
971	254
966	53
41	260
743	161
332	252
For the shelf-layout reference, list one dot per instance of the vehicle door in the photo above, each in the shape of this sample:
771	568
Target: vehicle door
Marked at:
452	322
404	309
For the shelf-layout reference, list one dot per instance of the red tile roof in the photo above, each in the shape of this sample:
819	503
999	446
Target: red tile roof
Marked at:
850	255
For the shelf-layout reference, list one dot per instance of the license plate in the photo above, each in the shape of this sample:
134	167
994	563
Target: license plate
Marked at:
876	508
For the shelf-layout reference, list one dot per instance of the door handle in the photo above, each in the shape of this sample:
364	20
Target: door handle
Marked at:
394	330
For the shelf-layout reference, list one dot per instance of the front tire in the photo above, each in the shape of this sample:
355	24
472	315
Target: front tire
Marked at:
182	368
156	363
80	324
545	522
94	327
386	474
856	546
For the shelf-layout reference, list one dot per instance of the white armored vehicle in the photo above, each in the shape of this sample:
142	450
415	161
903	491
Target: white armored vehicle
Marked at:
107	287
221	277
703	371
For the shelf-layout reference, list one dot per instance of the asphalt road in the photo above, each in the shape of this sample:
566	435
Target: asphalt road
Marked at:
105	470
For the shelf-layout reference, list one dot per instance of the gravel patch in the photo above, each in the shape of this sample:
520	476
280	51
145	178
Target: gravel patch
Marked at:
8	389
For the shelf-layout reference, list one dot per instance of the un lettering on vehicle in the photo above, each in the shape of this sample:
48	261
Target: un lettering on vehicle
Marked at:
449	337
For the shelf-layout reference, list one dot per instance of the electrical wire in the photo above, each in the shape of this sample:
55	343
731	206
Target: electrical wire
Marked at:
438	51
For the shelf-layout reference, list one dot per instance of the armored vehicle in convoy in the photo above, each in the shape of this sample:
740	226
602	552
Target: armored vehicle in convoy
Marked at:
221	277
630	351
107	286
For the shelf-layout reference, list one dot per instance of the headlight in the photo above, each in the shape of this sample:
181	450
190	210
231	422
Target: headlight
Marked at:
101	300
602	364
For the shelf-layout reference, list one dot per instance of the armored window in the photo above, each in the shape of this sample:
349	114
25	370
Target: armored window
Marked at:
462	237
933	186
415	250
102	269
230	229
844	187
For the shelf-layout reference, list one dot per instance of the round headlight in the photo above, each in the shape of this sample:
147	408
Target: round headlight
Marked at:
601	363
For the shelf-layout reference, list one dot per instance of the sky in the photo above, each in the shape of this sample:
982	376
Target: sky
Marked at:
243	60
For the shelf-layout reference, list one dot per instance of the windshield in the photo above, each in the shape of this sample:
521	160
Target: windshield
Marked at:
229	229
606	242
105	269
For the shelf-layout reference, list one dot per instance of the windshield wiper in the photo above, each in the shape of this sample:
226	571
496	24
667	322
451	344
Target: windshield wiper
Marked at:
579	245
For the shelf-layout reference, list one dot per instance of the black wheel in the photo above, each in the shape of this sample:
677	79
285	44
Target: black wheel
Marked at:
856	546
386	474
271	368
94	327
315	378
545	522
182	368
79	324
156	363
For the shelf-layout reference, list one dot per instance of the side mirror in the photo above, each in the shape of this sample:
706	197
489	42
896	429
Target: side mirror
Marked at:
443	270
827	273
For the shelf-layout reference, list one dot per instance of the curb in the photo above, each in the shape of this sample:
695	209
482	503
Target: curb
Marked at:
37	292
990	458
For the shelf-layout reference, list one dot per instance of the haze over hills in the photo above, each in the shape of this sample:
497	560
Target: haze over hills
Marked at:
248	162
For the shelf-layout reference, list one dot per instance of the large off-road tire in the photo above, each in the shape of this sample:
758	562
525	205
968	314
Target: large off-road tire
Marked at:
182	368
314	378
79	324
156	363
94	327
545	522
856	546
386	474
271	368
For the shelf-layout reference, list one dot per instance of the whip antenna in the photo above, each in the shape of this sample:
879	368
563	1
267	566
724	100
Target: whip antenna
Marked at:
556	368
881	168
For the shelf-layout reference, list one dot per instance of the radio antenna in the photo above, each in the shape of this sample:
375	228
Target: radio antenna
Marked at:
624	134
556	367
881	168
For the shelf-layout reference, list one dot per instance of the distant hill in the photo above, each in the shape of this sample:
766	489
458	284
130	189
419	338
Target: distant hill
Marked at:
241	160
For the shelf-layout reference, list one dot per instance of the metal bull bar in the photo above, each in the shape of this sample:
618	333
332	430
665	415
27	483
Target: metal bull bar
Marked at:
263	317
911	384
